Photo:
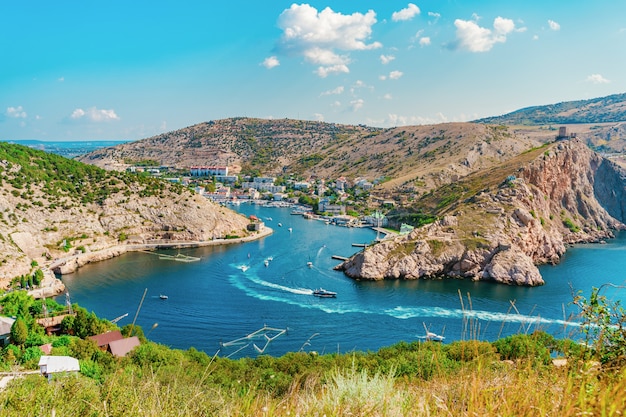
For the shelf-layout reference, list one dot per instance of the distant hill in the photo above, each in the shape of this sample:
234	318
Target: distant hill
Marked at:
410	157
609	109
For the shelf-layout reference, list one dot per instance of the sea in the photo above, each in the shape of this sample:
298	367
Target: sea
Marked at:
68	149
247	299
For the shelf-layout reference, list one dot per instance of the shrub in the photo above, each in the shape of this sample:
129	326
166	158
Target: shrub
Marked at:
522	346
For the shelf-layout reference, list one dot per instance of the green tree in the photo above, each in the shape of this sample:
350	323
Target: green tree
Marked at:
19	332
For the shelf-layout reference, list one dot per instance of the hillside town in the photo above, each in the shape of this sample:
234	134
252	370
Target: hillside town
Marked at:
339	201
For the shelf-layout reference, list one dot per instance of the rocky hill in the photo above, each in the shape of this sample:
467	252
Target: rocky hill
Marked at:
52	207
411	157
609	109
599	122
499	223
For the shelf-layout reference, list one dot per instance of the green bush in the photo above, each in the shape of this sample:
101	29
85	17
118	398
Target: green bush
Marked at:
522	346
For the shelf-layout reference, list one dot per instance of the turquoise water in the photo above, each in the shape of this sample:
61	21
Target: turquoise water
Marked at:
230	293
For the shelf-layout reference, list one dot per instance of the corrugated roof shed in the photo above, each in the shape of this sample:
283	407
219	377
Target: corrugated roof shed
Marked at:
5	324
104	339
121	347
55	364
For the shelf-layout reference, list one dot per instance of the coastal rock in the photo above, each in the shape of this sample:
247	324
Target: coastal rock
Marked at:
568	194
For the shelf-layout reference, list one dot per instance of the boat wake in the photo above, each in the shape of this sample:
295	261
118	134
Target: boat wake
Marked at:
399	312
259	281
438	312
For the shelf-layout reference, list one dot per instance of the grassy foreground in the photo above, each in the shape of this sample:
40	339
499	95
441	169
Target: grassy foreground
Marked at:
513	376
408	379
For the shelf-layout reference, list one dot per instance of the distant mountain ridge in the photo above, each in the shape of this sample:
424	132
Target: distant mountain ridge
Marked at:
607	109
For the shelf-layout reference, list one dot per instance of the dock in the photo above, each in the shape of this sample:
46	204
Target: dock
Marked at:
341	258
360	245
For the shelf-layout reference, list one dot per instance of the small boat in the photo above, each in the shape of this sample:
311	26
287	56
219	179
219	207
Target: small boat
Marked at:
309	264
280	225
322	293
290	230
433	337
266	262
163	297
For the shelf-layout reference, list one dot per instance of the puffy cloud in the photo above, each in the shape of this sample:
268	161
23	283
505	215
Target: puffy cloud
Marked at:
394	75
270	62
424	41
335	91
324	72
356	104
94	115
16	112
407	13
318	36
553	25
385	59
474	38
597	79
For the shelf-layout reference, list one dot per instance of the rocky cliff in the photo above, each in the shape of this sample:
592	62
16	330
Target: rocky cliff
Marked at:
523	216
53	208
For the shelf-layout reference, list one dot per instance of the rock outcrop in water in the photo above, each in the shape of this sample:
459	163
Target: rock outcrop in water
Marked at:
568	194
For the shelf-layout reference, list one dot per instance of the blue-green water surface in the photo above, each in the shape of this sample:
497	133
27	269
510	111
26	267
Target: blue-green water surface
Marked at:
231	293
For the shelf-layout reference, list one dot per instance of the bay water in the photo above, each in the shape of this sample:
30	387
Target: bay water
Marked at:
218	304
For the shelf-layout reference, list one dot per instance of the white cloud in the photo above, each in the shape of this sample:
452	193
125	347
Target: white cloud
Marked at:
553	25
94	115
382	77
394	75
425	41
387	96
61	79
597	79
270	62
399	120
319	117
474	38
385	59
335	91
16	112
334	69
357	104
407	13
318	36
434	15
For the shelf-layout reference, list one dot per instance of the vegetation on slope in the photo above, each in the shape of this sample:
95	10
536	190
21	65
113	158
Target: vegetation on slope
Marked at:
511	376
64	182
598	110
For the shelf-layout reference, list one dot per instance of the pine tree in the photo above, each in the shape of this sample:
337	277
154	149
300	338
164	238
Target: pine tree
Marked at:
19	332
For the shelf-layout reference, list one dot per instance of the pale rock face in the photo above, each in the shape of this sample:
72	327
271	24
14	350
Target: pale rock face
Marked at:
32	235
568	195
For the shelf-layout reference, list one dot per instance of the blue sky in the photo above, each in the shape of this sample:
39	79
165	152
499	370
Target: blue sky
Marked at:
83	70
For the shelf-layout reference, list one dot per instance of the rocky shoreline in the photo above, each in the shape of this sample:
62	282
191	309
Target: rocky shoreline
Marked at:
52	286
568	194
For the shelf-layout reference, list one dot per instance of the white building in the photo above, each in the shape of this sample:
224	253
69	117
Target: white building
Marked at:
49	365
205	171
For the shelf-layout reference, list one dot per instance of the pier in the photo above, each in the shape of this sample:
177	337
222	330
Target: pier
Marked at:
340	258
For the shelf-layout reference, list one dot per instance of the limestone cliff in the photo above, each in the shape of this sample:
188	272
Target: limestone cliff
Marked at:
53	208
522	214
